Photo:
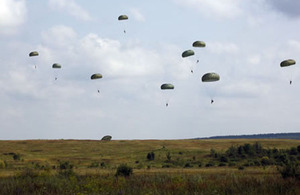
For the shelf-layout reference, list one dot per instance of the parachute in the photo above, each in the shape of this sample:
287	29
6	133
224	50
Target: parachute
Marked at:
123	17
106	138
187	53
96	76
288	62
33	53
167	86
210	77
56	65
199	44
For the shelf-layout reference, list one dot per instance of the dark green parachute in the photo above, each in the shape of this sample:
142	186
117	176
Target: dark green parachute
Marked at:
288	62
199	44
96	76
106	138
210	77
123	17
187	53
166	86
33	53
56	65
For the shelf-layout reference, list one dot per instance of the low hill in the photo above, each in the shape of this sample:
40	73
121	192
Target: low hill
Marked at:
259	136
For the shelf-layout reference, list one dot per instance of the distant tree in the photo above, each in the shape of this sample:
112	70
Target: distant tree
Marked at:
298	148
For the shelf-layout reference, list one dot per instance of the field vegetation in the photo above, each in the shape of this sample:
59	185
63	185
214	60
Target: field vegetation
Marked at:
238	166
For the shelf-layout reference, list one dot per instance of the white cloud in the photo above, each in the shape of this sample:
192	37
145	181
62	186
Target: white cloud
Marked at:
12	15
137	15
214	8
71	7
219	48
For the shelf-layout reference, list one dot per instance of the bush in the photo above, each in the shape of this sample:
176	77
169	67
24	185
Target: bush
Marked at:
124	170
66	169
241	167
290	170
16	157
188	165
223	159
150	156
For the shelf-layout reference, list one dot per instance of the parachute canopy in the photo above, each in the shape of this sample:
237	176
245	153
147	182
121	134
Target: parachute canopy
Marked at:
288	62
33	53
166	86
187	53
106	138
56	65
96	76
210	77
123	17
199	44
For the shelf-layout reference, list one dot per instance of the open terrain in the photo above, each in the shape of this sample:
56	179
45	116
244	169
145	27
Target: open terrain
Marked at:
176	166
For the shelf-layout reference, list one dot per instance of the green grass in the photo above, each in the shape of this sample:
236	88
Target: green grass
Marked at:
95	164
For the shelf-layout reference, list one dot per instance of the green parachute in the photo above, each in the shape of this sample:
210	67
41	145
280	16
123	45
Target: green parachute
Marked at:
167	86
56	65
96	76
187	53
288	62
210	77
33	53
123	17
199	44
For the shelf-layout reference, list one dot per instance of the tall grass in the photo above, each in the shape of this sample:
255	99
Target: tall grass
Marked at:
158	183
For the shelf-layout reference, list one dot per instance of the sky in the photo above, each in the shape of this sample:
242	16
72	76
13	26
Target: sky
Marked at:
246	40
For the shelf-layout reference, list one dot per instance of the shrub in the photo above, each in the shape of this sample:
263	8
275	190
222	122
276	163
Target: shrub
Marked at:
66	169
290	169
223	159
2	164
188	165
150	156
222	164
168	155
210	164
241	167
265	161
124	170
16	157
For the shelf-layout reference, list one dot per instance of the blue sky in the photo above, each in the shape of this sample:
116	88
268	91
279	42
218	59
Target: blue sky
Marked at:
245	43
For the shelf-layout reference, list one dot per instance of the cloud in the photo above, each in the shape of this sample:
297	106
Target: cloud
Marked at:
214	9
137	15
71	7
13	14
287	7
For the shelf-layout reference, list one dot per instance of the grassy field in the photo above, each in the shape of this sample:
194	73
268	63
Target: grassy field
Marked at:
95	162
